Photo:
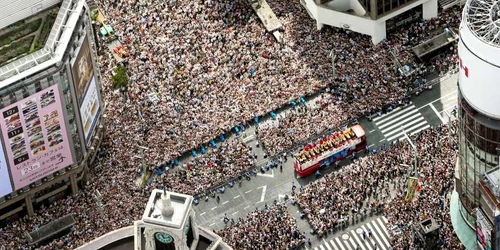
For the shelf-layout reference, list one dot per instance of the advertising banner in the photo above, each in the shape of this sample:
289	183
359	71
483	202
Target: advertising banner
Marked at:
483	231
35	137
412	187
90	109
86	89
497	230
5	184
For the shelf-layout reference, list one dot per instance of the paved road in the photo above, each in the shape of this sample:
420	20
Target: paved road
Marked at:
430	108
359	236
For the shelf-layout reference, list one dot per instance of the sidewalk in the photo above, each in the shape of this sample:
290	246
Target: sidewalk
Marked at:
466	235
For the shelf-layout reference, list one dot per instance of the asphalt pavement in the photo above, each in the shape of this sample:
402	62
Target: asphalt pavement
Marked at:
434	106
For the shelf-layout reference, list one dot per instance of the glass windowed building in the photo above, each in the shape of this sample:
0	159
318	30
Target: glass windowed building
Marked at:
479	113
50	103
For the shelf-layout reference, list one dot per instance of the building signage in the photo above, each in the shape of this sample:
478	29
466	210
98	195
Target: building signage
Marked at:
462	67
5	184
90	109
483	231
497	231
35	137
86	89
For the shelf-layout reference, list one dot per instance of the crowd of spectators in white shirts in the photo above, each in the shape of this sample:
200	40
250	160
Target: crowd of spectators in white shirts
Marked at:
212	66
379	183
270	228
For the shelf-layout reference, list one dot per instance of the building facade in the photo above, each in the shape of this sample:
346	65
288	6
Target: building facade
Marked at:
50	105
479	113
370	17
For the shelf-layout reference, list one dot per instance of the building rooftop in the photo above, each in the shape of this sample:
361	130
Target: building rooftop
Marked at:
483	19
180	203
41	17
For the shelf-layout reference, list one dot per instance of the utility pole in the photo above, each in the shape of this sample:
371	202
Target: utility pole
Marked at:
414	151
333	56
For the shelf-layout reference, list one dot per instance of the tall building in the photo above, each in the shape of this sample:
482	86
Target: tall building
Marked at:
478	174
374	18
50	102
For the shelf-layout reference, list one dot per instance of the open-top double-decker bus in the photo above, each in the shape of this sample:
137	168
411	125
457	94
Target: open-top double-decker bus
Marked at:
329	150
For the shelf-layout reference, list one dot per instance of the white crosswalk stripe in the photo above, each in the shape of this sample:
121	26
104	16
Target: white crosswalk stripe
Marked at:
380	237
408	119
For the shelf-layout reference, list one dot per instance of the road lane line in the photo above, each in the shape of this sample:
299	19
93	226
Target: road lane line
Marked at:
437	113
224	202
236	197
214	208
248	191
203	213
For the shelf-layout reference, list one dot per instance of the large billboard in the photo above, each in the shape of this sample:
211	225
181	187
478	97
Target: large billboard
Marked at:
35	137
5	184
86	89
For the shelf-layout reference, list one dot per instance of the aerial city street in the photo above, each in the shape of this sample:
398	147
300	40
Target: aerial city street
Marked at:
249	124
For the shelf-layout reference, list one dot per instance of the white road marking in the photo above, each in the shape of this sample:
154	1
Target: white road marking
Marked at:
372	131
236	197
371	145
267	175
380	117
235	212
358	241
214	208
396	118
395	136
334	245
406	124
246	207
203	213
382	140
211	224
248	191
326	244
263	195
454	92
224	202
437	113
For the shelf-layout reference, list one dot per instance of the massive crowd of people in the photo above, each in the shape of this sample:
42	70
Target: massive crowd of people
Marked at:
379	183
212	66
271	228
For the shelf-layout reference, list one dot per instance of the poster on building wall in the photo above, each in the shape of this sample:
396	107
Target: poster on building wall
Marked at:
483	231
35	137
90	109
82	70
86	88
497	230
5	184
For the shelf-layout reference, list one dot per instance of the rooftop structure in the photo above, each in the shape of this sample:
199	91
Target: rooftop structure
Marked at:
168	222
483	19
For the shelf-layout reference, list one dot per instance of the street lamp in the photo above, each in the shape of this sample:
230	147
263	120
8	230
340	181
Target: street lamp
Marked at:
414	150
333	56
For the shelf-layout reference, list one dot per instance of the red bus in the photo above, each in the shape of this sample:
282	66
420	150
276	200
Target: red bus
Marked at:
329	150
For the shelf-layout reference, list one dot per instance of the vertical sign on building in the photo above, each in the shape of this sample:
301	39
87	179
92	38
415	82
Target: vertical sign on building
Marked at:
483	231
35	137
87	93
497	231
5	184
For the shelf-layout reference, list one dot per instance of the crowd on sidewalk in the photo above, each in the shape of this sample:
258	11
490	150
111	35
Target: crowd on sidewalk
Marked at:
379	183
272	228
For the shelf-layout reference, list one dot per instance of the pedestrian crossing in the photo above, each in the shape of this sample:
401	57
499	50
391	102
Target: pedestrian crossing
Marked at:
359	238
394	124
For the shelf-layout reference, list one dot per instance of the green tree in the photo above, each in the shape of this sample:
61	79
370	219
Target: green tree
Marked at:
119	77
93	14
